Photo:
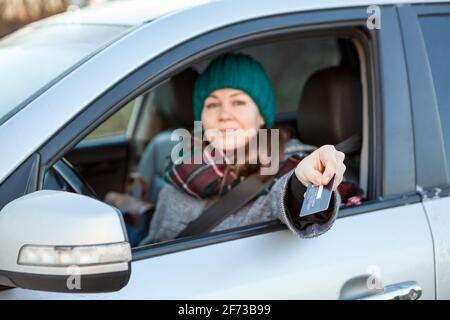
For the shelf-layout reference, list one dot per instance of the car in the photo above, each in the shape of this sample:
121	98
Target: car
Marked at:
84	102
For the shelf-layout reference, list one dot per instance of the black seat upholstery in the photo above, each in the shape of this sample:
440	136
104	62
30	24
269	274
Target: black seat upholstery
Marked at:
173	100
330	111
330	107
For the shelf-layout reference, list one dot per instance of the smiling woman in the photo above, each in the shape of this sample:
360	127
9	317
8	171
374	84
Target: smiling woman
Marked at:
234	95
218	114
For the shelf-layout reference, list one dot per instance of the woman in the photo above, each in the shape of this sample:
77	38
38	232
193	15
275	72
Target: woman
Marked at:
233	96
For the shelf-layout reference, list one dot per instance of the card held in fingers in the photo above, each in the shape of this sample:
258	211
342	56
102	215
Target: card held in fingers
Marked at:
317	198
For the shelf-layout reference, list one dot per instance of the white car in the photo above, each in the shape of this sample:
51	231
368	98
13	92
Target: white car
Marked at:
92	87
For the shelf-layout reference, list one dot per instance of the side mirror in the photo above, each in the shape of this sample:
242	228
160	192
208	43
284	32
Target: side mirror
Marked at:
63	242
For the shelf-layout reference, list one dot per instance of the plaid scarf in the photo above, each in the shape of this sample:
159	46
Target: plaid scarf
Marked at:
211	178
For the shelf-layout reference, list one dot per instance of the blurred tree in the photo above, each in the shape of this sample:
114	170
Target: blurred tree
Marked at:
30	10
16	13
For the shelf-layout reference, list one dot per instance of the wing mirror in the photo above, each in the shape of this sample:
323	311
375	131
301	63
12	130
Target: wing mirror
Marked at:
63	242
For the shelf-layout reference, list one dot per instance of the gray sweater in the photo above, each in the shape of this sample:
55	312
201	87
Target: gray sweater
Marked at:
176	209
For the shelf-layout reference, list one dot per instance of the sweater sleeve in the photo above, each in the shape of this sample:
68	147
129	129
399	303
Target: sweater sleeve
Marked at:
286	198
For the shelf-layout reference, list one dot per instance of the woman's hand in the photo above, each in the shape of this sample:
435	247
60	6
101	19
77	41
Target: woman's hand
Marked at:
320	166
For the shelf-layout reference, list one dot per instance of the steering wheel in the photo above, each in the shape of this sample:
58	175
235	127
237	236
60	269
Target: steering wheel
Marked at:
64	177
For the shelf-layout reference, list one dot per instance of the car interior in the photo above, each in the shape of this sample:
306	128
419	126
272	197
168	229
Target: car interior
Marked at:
318	86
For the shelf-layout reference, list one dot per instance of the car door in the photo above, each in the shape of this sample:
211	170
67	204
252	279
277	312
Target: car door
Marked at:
384	243
426	30
362	254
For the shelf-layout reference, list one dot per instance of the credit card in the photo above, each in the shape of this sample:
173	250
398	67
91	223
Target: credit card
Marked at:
317	198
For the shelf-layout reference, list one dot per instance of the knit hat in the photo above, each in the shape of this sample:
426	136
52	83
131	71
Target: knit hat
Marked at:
236	71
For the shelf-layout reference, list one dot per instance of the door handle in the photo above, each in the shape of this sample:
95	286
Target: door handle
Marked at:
409	290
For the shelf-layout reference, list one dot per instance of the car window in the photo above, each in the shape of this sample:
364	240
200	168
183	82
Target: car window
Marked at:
57	47
436	31
288	65
117	125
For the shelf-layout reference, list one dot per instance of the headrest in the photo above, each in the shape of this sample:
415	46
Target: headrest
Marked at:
330	107
173	99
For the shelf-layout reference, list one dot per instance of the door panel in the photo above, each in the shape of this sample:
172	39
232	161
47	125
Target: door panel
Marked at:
426	30
280	265
438	213
394	243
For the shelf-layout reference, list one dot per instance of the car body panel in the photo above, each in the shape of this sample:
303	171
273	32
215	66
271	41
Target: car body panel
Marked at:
439	219
393	244
429	134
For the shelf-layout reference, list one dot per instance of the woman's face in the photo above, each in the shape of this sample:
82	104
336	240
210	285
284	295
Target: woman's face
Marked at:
230	118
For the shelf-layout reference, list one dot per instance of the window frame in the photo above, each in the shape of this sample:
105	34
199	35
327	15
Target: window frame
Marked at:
213	42
128	130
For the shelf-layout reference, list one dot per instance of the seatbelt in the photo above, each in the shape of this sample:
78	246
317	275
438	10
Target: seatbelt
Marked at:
225	206
350	145
242	194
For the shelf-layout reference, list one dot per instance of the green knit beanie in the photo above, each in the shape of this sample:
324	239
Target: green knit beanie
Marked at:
236	71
